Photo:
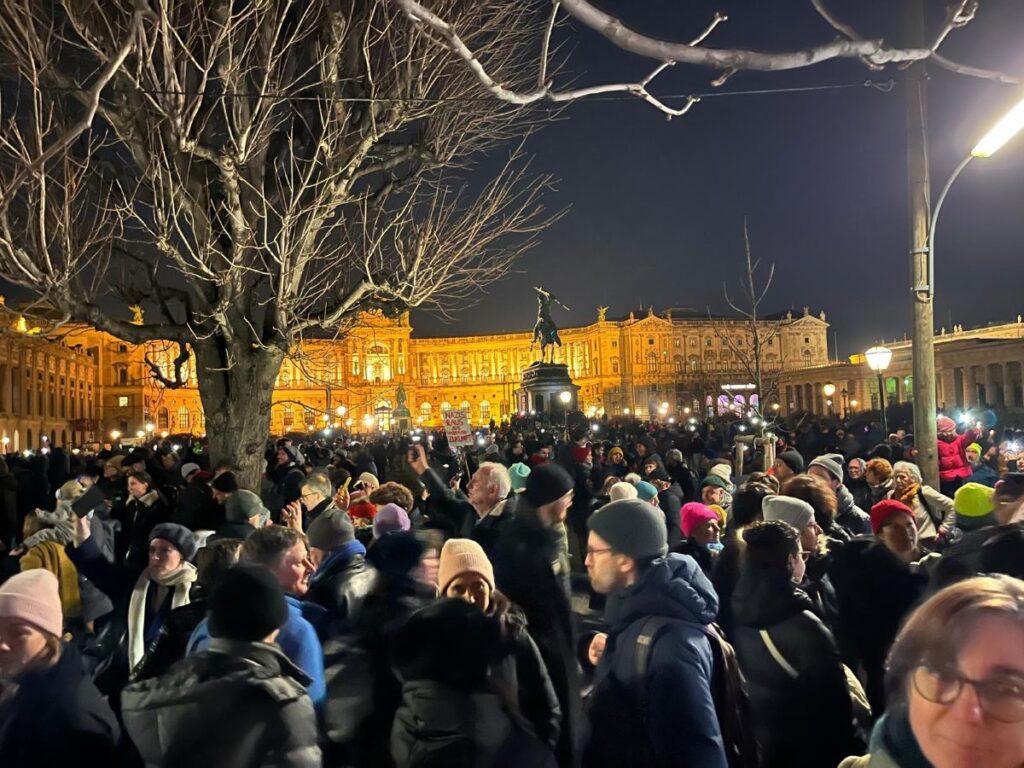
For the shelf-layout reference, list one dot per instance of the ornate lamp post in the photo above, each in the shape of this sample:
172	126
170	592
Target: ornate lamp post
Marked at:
829	389
878	361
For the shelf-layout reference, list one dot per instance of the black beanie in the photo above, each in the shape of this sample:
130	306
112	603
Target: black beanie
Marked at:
793	460
248	604
547	483
225	482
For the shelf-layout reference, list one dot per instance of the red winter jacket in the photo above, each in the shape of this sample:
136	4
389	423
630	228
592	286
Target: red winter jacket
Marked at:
953	456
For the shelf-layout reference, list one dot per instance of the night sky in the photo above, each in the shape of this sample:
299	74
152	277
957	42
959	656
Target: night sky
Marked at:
657	207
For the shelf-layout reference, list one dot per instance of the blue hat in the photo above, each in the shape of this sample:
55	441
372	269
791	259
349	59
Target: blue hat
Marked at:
518	473
646	491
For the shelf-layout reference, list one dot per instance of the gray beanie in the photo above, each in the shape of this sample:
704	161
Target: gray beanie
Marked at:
830	465
243	504
177	535
631	527
787	509
331	530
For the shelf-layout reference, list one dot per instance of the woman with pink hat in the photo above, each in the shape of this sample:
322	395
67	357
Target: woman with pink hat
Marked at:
50	712
954	468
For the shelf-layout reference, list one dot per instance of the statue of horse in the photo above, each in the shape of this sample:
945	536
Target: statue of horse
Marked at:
546	333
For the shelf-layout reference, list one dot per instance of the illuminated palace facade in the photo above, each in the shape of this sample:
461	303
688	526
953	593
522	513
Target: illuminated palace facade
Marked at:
632	364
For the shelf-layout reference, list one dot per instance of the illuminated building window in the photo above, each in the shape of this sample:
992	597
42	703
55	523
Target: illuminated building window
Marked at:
183	418
122	402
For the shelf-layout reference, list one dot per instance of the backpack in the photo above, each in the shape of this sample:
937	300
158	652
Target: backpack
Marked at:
728	690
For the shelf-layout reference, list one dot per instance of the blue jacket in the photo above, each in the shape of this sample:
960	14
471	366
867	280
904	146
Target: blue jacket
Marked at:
298	640
680	720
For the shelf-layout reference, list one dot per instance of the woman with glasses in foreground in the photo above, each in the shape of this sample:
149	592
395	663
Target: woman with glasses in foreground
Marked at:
956	682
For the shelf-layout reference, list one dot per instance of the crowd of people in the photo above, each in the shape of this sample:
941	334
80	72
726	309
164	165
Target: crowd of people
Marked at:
608	594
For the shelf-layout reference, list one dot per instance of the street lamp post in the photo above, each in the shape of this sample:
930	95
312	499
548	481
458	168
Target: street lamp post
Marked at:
846	402
566	398
923	290
878	360
829	389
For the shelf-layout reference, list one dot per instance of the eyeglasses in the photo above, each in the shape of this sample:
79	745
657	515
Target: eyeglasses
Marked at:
592	551
805	555
1000	697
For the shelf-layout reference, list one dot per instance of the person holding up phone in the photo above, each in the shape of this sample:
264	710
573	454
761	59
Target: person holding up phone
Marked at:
480	517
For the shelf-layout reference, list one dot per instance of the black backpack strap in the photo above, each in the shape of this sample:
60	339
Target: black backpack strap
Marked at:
649	631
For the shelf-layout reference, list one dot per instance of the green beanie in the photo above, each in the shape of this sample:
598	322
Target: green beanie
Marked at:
973	503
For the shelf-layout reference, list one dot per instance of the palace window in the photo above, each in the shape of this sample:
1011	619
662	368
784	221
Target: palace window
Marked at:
163	419
652	362
183	418
425	410
446	406
122	401
485	411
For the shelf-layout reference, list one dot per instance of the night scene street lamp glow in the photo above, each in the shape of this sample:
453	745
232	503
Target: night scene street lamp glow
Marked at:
1000	133
878	360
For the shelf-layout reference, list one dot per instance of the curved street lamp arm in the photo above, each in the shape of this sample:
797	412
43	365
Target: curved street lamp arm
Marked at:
929	289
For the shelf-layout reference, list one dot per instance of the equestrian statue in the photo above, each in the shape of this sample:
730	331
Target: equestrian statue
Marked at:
545	331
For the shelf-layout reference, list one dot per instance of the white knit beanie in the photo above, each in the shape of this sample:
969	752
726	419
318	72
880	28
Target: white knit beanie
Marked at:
33	597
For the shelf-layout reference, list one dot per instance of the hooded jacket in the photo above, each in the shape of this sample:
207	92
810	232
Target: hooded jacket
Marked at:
236	704
681	725
795	680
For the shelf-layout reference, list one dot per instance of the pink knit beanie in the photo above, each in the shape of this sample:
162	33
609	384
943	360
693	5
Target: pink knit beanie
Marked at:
33	597
460	556
693	515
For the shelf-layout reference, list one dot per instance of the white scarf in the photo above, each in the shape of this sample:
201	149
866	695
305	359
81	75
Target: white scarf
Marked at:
180	581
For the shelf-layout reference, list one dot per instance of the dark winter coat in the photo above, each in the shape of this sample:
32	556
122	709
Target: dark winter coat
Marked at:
966	558
862	494
802	711
440	727
341	585
197	510
464	519
363	693
235	705
142	515
521	669
671	501
525	559
172	641
681	725
56	717
849	515
875	591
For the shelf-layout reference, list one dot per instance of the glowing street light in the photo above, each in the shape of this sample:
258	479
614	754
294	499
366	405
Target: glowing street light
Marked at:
341	410
150	427
114	434
1000	133
829	389
140	433
878	360
565	397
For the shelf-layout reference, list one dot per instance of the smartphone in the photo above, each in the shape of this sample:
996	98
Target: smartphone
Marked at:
88	501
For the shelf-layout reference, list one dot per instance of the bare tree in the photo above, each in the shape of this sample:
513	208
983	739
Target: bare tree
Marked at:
252	172
724	62
756	334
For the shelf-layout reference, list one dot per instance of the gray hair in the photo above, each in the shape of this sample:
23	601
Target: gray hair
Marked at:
318	483
911	469
497	476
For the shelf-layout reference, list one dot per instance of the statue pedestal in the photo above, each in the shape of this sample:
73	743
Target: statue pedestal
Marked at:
541	391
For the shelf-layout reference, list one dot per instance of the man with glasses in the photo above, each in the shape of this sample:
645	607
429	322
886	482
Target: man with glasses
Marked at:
316	496
652	701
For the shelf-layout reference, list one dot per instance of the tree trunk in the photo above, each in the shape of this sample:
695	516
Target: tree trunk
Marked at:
236	393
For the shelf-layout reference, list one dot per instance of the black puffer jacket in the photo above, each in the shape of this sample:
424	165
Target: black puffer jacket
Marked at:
795	679
56	717
235	705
